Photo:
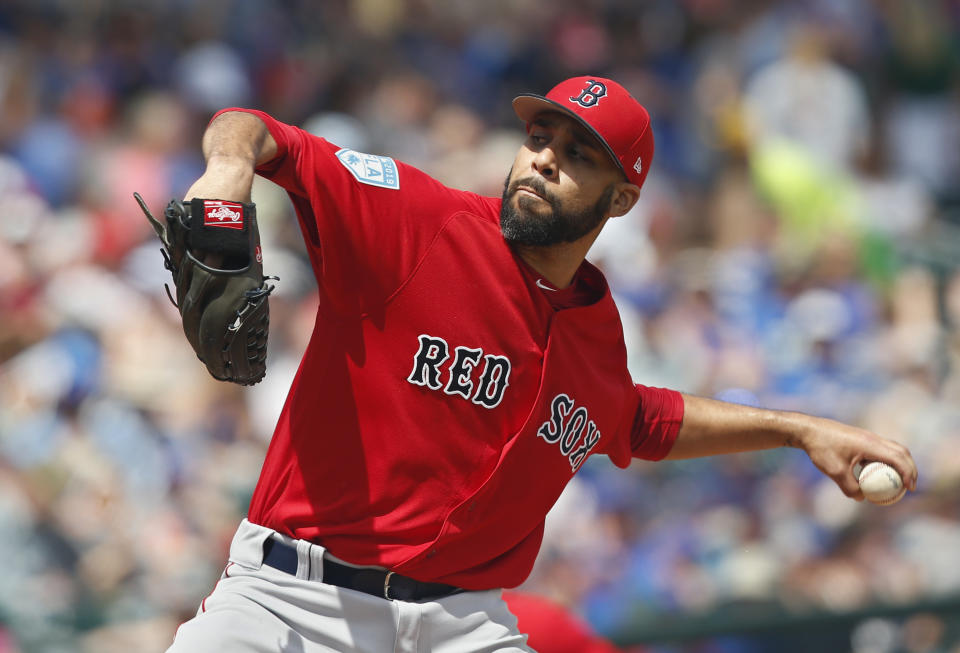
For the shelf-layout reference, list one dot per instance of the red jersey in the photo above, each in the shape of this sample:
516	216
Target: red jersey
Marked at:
442	403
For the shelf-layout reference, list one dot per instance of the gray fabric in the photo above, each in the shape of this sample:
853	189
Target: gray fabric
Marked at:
257	609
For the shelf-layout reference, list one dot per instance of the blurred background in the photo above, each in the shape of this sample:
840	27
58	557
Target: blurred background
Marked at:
795	247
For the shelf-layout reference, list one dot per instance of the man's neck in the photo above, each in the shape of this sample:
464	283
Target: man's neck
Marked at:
558	263
555	266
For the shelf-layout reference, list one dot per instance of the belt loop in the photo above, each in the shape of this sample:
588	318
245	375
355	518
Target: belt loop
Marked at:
303	559
315	554
386	586
246	547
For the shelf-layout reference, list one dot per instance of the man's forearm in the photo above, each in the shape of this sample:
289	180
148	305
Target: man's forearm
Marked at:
713	427
233	145
237	135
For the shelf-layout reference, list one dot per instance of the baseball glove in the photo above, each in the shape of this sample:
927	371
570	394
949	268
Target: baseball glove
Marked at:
212	248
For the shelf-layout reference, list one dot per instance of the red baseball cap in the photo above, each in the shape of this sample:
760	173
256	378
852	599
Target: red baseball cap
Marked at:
607	111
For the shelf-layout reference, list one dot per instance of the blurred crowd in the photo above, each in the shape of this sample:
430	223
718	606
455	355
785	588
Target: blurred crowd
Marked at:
794	247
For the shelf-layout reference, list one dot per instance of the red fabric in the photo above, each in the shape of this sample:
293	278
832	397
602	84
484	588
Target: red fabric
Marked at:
552	629
437	382
583	289
657	423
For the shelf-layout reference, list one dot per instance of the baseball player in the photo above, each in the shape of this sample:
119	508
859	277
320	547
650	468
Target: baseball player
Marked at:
465	361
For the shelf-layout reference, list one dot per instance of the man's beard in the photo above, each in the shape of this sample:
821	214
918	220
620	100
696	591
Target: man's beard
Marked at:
531	228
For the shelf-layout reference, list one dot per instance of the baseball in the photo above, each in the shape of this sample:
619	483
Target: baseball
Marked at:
881	484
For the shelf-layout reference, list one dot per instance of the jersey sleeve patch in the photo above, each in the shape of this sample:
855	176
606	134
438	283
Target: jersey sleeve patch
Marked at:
370	168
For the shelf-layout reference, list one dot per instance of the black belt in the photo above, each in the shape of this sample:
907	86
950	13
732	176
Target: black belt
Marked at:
385	584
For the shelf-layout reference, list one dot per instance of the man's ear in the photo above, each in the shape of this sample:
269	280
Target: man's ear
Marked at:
625	195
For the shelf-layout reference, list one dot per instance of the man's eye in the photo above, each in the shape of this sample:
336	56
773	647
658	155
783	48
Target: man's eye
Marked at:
539	139
577	153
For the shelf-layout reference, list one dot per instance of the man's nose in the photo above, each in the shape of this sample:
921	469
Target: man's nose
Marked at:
545	163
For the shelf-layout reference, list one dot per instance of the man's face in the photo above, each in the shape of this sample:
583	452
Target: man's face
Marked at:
560	186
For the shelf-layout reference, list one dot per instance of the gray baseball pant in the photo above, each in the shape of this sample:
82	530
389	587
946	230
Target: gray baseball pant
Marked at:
255	608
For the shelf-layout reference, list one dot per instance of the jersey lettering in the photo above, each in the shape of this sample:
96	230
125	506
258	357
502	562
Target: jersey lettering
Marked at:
573	430
552	429
427	361
370	169
567	427
428	366
591	439
493	382
463	363
590	94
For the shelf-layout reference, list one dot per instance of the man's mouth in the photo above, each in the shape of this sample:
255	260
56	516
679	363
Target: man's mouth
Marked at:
527	190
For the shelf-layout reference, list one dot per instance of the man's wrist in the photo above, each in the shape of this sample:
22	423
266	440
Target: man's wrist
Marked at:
240	165
793	428
227	177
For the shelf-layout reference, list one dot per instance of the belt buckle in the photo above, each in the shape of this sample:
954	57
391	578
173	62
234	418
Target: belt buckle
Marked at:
386	586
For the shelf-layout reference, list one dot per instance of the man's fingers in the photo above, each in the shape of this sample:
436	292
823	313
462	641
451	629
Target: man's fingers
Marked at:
909	475
907	471
849	483
905	466
897	456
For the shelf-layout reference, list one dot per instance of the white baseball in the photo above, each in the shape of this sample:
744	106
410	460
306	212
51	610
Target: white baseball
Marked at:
881	484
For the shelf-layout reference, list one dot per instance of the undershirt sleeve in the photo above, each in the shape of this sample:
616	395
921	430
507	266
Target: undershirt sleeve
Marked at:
657	422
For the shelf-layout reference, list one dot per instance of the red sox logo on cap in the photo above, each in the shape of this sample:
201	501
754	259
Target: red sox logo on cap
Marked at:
590	94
